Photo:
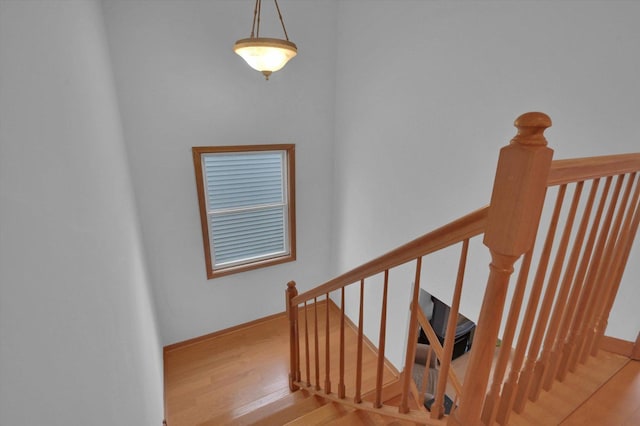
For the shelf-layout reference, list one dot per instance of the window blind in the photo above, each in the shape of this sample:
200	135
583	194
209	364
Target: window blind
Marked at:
246	206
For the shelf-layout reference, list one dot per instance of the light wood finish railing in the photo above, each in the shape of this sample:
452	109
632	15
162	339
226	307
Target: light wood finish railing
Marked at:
457	232
586	247
555	317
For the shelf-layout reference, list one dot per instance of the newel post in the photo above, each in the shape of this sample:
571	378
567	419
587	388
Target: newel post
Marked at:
294	353
516	205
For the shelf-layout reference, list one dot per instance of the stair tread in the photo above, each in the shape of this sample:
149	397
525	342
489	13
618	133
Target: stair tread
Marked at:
289	413
359	418
366	418
257	414
321	415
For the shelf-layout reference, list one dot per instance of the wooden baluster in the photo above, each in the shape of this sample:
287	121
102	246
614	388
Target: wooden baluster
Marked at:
341	386
412	340
628	245
516	204
381	342
606	276
616	269
532	308
425	374
294	349
591	285
583	289
316	345
490	410
358	396
551	295
437	408
327	352
306	345
564	311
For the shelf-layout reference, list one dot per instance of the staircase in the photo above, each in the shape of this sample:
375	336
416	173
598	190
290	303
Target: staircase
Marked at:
563	230
220	380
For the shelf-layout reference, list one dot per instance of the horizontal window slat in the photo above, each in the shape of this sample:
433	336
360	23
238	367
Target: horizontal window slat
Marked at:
240	168
239	231
244	203
248	242
272	232
241	253
240	257
229	194
248	235
226	159
259	213
242	250
237	201
258	182
223	177
230	221
248	260
236	231
244	190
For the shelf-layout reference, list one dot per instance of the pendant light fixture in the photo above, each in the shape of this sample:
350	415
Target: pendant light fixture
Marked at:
266	55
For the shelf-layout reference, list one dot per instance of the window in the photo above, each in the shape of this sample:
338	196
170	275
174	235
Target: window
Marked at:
247	206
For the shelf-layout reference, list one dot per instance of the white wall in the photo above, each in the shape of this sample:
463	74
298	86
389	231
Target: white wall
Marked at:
79	344
181	85
427	92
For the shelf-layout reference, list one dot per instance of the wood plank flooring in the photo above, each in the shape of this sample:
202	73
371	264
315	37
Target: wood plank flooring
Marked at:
557	405
615	403
228	375
216	380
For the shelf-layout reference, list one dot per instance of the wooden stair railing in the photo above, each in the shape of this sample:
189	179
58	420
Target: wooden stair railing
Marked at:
304	331
568	300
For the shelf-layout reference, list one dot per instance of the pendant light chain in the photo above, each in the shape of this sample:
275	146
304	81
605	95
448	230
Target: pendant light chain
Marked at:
281	20
257	11
255	14
259	14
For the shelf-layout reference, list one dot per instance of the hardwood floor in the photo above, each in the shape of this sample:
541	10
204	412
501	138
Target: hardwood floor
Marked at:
615	403
228	375
557	405
215	380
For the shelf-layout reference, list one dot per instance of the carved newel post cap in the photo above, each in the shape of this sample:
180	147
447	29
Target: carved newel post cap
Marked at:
531	127
291	291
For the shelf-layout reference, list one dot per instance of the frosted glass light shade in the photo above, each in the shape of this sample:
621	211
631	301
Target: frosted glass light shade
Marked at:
266	55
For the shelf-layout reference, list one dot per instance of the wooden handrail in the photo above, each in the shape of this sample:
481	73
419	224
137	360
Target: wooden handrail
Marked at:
455	232
472	224
579	169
